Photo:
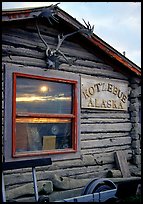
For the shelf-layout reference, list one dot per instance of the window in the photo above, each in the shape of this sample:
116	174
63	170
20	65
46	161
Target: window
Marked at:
44	114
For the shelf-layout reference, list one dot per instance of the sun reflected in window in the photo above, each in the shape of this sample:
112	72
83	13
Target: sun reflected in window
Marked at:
43	88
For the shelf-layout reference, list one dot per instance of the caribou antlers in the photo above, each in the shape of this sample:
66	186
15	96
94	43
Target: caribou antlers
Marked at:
53	55
49	13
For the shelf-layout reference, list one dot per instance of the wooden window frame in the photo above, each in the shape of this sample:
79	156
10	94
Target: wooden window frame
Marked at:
10	153
72	116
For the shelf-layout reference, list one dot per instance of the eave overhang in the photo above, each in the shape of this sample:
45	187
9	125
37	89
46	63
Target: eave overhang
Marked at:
29	13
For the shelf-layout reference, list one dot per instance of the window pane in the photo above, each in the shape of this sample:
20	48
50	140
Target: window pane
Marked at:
36	134
41	96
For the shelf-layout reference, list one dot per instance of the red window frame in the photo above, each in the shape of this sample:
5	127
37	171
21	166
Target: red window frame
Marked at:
72	116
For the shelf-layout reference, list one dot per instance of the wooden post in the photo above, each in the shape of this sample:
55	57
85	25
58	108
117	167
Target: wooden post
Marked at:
122	164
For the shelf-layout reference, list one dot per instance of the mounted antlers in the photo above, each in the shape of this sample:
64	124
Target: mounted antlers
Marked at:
53	55
49	13
88	31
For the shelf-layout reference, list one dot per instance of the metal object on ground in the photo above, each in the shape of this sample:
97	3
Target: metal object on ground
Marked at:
35	183
24	164
97	190
98	185
43	199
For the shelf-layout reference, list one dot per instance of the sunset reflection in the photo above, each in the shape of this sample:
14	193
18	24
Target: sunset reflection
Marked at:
42	120
41	98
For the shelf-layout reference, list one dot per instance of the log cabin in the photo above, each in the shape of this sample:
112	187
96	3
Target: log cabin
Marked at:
66	95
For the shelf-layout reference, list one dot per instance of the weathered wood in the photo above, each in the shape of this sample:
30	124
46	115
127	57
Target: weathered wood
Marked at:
101	120
67	183
91	71
105	142
94	174
8	50
37	44
106	127
122	164
91	136
108	157
50	30
51	39
102	131
114	173
50	36
46	174
18	42
135	170
105	149
20	51
93	64
45	187
103	114
27	61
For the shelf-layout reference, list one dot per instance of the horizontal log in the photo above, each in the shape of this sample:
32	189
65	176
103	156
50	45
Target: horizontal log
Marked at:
106	127
91	71
86	172
92	64
9	50
105	149
66	183
64	164
105	142
50	36
50	30
108	158
102	120
45	187
37	44
18	42
92	175
114	173
92	136
26	61
74	172
103	114
93	172
45	174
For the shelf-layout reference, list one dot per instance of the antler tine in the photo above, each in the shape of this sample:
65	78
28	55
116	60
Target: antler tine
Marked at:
85	22
53	6
41	36
89	26
92	27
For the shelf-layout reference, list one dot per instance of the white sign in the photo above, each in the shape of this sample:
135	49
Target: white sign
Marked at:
104	93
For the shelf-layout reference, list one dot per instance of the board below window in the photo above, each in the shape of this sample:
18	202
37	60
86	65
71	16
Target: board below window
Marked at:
44	115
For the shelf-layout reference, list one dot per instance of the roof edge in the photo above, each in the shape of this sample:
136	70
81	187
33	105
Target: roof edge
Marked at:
26	13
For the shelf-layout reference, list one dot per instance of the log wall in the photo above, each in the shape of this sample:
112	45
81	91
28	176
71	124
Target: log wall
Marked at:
102	132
